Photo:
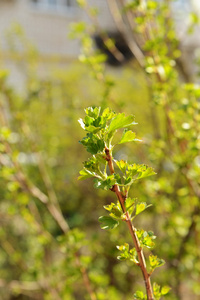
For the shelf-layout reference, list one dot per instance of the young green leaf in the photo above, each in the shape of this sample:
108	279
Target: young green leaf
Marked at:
91	124
136	171
124	247
108	113
124	252
108	222
141	207
155	262
146	238
156	291
128	136
145	171
110	206
121	121
165	290
122	165
133	256
93	111
105	184
84	174
93	143
92	164
139	295
130	202
115	210
130	205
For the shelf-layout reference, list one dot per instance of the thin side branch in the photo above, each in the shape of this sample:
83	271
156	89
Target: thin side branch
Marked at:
126	31
85	278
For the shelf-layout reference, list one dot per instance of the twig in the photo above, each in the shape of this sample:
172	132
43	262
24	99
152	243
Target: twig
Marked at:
126	32
85	278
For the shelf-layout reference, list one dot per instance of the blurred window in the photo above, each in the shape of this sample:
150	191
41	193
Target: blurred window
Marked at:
54	4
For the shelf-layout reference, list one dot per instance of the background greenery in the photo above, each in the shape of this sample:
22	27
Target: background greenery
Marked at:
40	157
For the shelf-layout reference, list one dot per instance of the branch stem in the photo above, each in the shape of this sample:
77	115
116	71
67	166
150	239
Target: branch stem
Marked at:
132	230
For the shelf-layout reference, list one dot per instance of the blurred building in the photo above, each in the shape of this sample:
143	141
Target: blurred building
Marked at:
47	24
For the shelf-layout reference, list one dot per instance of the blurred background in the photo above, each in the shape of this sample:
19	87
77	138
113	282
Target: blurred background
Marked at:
58	57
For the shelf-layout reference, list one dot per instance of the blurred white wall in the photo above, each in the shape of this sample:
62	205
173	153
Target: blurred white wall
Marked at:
47	22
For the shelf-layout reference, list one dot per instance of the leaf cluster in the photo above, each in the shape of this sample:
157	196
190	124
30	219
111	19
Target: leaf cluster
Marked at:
101	127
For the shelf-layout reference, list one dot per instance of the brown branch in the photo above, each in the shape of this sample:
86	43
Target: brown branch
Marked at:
196	191
189	233
192	184
126	31
132	230
11	251
38	194
85	278
105	38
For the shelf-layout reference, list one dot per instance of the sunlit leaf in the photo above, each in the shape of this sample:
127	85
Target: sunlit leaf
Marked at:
139	295
105	184
146	238
93	111
121	121
133	256
145	171
140	207
124	251
84	174
129	202
122	165
124	247
155	262
128	136
108	113
165	289
114	209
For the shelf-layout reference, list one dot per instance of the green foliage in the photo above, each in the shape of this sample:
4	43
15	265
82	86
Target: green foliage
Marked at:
103	125
121	121
172	145
128	136
38	166
38	160
155	262
159	292
114	209
139	295
127	254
